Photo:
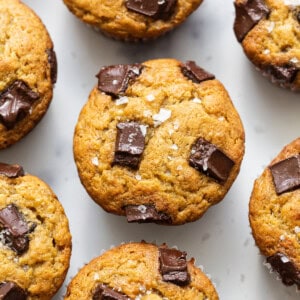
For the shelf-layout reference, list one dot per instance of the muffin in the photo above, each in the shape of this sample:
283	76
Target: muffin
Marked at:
269	32
35	242
133	20
141	271
158	142
27	70
275	214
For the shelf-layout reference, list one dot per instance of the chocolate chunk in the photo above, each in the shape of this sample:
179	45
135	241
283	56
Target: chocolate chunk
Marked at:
146	214
248	14
114	80
11	171
14	229
298	16
53	64
286	174
15	103
156	9
130	143
207	158
11	291
282	74
195	73
173	266
285	268
102	292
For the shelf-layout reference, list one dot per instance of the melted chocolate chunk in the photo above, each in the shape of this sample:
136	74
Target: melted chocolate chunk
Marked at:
195	73
285	268
53	64
114	80
282	74
207	158
130	143
15	103
11	291
173	266
156	9
146	214
286	174
14	229
102	292
248	14
11	171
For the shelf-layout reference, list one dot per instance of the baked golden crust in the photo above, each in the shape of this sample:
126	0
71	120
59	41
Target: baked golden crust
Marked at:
133	269
41	270
114	19
275	218
274	42
23	58
164	177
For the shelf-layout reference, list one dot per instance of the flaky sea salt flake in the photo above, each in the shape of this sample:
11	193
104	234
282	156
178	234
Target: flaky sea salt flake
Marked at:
197	100
122	100
150	97
95	161
162	116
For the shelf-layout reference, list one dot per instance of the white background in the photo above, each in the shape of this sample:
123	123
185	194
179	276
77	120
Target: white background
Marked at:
221	241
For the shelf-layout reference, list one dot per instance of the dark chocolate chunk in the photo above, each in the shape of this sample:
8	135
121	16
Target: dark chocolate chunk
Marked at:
130	143
11	171
156	9
173	266
282	74
298	16
102	292
285	268
15	103
248	14
195	73
286	174
146	214
14	229
53	64
207	158
11	291
114	80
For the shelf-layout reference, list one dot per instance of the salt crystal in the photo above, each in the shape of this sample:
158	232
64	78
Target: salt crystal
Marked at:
297	229
115	81
144	129
171	131
174	147
282	237
221	119
163	115
266	51
292	2
179	168
176	125
294	60
150	97
270	26
196	100
142	208
284	259
122	100
96	276
138	177
95	161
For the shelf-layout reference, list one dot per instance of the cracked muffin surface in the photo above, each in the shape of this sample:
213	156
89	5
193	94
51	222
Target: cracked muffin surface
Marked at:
269	31
133	20
35	242
155	144
27	70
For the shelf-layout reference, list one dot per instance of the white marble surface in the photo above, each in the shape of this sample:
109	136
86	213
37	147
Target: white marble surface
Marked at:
221	240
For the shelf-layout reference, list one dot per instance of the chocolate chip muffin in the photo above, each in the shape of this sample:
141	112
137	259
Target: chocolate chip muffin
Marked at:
275	213
27	70
141	271
133	20
158	142
35	242
269	31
